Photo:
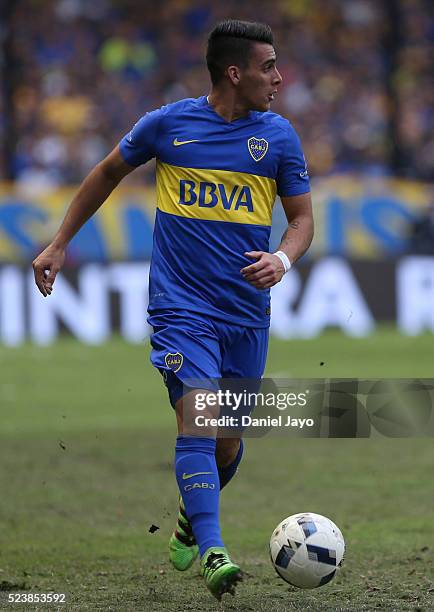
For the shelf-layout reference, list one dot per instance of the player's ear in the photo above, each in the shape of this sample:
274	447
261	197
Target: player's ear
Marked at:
234	74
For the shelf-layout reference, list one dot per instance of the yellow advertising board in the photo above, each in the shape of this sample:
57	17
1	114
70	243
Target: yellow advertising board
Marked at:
356	216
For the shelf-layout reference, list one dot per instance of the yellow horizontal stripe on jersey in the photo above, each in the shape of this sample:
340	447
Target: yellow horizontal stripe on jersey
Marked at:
217	195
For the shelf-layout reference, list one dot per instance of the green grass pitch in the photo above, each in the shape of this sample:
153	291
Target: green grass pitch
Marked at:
86	448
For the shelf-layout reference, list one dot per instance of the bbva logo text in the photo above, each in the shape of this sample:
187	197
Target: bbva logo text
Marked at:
208	195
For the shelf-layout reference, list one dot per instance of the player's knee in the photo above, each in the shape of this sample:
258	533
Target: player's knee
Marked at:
196	419
226	451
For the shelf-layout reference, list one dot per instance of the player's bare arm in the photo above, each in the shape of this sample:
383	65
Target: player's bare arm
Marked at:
93	192
269	268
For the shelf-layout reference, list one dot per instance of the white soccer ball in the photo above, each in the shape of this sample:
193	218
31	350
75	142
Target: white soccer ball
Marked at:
307	549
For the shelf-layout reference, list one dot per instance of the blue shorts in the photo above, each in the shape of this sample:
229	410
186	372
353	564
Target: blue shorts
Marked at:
187	345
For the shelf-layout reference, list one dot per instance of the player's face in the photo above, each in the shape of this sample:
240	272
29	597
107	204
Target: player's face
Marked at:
260	80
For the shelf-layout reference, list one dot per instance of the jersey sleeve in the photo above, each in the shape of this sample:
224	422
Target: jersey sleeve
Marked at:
139	145
292	177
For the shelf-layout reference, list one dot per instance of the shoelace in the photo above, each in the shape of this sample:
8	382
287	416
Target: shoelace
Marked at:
214	561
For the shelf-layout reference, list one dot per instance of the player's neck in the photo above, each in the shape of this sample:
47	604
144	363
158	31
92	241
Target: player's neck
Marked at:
225	105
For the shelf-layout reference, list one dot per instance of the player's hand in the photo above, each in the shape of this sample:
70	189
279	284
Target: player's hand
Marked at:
266	272
46	266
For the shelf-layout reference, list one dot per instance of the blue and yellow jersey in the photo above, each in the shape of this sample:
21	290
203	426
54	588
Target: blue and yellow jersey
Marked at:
216	186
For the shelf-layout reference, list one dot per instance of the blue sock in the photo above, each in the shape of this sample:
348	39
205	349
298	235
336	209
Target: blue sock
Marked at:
227	473
198	482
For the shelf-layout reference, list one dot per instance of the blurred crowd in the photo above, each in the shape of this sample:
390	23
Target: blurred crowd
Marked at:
357	84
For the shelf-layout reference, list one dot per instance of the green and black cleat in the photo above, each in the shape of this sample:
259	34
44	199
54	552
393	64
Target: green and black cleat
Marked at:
183	549
220	574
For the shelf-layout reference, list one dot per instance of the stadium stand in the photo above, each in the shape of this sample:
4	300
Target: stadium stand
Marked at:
357	79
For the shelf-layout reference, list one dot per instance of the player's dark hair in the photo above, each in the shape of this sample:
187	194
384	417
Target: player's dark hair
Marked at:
230	43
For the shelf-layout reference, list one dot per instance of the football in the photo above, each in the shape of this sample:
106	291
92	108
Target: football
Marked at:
307	550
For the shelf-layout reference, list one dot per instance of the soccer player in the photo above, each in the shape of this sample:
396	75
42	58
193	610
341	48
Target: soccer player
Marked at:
221	159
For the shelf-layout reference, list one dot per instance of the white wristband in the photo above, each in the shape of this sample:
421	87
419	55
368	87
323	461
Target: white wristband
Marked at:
284	259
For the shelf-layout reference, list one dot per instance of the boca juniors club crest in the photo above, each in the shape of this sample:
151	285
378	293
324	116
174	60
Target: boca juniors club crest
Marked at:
174	361
257	148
